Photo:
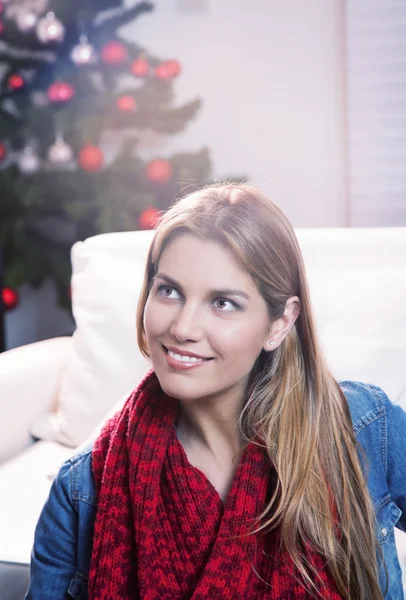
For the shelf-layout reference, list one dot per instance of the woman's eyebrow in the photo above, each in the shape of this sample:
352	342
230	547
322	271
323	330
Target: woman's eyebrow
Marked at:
223	292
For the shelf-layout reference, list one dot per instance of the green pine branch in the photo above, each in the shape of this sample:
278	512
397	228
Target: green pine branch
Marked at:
43	214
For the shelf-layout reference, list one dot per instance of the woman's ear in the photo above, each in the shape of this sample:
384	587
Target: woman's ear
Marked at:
281	327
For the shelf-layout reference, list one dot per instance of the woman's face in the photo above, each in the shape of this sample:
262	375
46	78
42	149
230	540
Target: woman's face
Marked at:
205	321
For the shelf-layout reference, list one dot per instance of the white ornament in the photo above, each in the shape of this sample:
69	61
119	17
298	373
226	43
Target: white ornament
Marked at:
50	29
60	153
39	98
25	20
84	53
28	161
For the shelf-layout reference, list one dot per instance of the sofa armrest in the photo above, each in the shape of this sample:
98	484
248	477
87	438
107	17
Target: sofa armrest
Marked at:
29	383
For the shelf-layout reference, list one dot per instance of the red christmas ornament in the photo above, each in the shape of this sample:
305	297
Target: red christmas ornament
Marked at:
149	218
168	69
159	170
3	152
114	53
91	158
161	72
173	66
60	91
10	298
126	103
15	82
140	67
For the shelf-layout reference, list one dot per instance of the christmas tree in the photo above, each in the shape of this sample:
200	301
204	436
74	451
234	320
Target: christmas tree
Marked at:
67	79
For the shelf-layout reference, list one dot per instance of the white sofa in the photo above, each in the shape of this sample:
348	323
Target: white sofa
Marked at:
59	390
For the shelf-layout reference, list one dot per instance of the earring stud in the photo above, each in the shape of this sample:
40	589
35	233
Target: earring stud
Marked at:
272	343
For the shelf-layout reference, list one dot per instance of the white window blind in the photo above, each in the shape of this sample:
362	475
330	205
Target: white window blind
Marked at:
376	111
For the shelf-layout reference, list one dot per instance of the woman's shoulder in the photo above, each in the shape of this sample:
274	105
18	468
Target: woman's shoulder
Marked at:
367	403
81	456
76	476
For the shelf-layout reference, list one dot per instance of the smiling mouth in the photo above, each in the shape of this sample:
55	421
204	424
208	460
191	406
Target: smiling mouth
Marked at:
184	358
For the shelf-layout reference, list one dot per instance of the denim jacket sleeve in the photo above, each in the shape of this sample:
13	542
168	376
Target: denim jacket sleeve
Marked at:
63	536
53	565
396	455
380	429
383	429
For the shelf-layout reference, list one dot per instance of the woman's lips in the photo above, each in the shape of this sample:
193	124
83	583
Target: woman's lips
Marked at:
185	352
183	365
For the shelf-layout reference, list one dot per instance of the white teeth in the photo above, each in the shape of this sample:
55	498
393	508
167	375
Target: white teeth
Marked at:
186	359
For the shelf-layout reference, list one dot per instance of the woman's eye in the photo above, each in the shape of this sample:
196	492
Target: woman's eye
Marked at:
225	305
167	291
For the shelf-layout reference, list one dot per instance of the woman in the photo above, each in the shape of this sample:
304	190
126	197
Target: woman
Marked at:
239	468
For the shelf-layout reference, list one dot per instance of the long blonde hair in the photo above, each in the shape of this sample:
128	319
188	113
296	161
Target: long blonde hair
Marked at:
294	406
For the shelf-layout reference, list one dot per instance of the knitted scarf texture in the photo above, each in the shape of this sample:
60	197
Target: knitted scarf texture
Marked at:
161	530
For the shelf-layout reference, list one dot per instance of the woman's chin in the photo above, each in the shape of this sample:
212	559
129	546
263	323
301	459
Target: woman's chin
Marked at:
181	390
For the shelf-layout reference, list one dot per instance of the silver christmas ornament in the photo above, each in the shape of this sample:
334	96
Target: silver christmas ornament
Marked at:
28	162
39	98
84	53
60	153
50	29
25	20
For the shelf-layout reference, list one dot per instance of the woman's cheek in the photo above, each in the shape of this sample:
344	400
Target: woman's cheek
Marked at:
244	337
149	318
157	317
234	330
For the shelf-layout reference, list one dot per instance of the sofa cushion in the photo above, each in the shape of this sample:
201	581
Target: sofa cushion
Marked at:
30	378
361	321
357	279
24	483
105	362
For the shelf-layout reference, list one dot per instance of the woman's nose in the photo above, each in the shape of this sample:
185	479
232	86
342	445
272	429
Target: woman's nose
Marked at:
187	324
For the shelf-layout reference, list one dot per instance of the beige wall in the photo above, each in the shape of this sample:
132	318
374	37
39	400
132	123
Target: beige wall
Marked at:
270	75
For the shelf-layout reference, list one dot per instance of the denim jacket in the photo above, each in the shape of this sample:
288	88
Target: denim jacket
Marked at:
63	540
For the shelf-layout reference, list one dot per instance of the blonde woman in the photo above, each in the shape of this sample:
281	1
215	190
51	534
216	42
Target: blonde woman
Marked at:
239	468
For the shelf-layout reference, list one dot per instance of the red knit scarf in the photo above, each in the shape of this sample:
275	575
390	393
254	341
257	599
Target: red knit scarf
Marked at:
162	531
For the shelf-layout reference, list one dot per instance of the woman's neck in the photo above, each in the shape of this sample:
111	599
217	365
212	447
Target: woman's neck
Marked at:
212	428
